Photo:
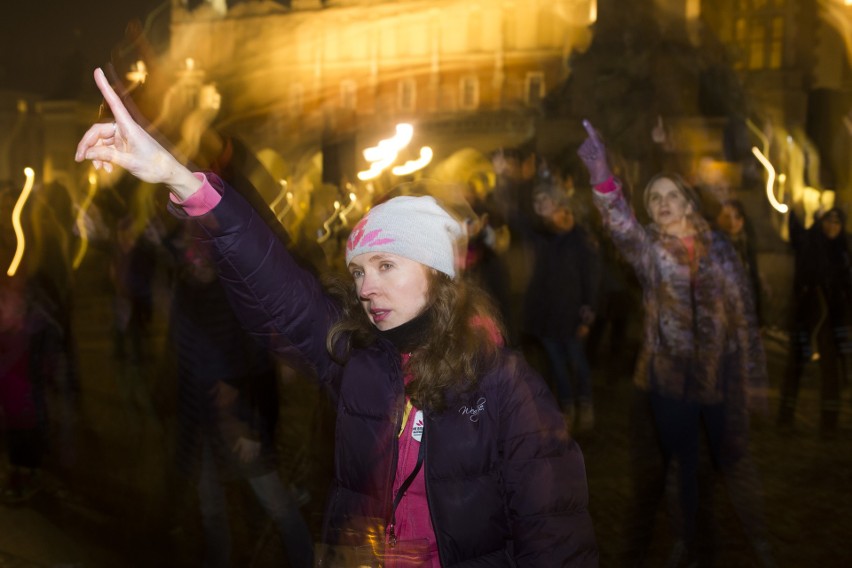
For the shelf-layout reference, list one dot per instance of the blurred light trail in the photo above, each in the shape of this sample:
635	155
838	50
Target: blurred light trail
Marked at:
770	181
348	209
81	221
782	186
16	221
326	226
138	74
376	168
281	194
392	145
412	166
384	154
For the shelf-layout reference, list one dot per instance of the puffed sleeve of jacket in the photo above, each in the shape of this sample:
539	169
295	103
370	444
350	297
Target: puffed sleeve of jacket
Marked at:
628	235
279	302
544	476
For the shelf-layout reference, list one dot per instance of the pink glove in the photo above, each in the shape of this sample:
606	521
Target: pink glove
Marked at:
593	153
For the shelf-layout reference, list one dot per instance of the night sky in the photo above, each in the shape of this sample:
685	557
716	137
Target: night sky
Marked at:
50	47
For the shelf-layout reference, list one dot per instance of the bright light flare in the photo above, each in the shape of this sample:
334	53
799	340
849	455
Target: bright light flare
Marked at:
388	146
384	154
16	221
376	168
412	166
138	73
770	181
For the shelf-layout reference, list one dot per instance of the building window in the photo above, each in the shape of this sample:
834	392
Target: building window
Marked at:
297	98
348	95
534	89
407	95
469	93
756	47
776	43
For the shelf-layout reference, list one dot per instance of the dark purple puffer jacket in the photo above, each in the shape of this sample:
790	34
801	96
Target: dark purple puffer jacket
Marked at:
505	484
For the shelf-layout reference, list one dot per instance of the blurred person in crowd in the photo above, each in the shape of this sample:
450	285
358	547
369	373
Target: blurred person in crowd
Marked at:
822	308
30	348
561	298
132	271
509	207
428	399
45	268
734	223
484	262
702	366
228	407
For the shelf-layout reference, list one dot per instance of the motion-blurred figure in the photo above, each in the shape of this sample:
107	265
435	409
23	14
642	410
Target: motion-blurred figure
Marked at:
734	223
227	409
509	207
30	347
561	298
822	306
133	267
702	366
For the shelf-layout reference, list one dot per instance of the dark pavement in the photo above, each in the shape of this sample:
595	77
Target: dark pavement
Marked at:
112	496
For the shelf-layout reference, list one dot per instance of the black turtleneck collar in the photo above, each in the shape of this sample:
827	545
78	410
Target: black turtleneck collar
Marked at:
410	335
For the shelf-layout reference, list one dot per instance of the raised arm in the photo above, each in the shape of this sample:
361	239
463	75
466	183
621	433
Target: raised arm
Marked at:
126	144
277	300
593	153
618	217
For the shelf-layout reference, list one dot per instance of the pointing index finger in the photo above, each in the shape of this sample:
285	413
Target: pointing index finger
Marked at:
119	111
593	134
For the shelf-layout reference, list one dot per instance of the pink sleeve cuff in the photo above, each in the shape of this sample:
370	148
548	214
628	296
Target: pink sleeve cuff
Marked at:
608	186
202	201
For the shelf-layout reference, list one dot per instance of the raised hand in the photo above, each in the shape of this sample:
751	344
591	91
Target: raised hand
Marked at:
593	153
125	144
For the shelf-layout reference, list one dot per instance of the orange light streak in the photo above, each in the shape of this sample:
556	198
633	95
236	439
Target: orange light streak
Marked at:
16	221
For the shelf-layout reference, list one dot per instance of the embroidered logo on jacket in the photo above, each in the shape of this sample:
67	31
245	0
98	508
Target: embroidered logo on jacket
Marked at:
472	412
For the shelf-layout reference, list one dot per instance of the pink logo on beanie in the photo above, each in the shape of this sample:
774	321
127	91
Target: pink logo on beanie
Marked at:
359	238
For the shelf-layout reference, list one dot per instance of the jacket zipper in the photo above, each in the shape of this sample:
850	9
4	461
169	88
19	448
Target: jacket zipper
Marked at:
391	474
441	558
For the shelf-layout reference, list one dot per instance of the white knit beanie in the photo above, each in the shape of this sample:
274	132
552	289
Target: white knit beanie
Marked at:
416	228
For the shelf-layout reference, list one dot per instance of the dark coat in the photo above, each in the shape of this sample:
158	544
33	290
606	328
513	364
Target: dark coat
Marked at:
565	279
506	486
822	287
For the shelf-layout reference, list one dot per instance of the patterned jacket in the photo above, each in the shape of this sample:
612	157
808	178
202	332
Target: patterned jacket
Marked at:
701	339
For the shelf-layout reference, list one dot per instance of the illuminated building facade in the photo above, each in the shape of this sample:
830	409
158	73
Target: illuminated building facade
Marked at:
794	60
339	75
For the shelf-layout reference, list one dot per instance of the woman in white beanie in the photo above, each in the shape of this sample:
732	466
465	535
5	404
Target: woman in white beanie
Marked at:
449	450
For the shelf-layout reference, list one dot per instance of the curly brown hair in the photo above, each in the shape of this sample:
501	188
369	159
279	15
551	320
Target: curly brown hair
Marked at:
464	336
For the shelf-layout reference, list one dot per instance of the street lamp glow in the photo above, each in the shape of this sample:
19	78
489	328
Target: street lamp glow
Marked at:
16	222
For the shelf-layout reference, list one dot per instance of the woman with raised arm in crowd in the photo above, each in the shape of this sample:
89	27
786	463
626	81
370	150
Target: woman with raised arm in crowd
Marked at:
449	450
702	365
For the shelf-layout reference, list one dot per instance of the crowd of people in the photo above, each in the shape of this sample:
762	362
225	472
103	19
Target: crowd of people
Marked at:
457	351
